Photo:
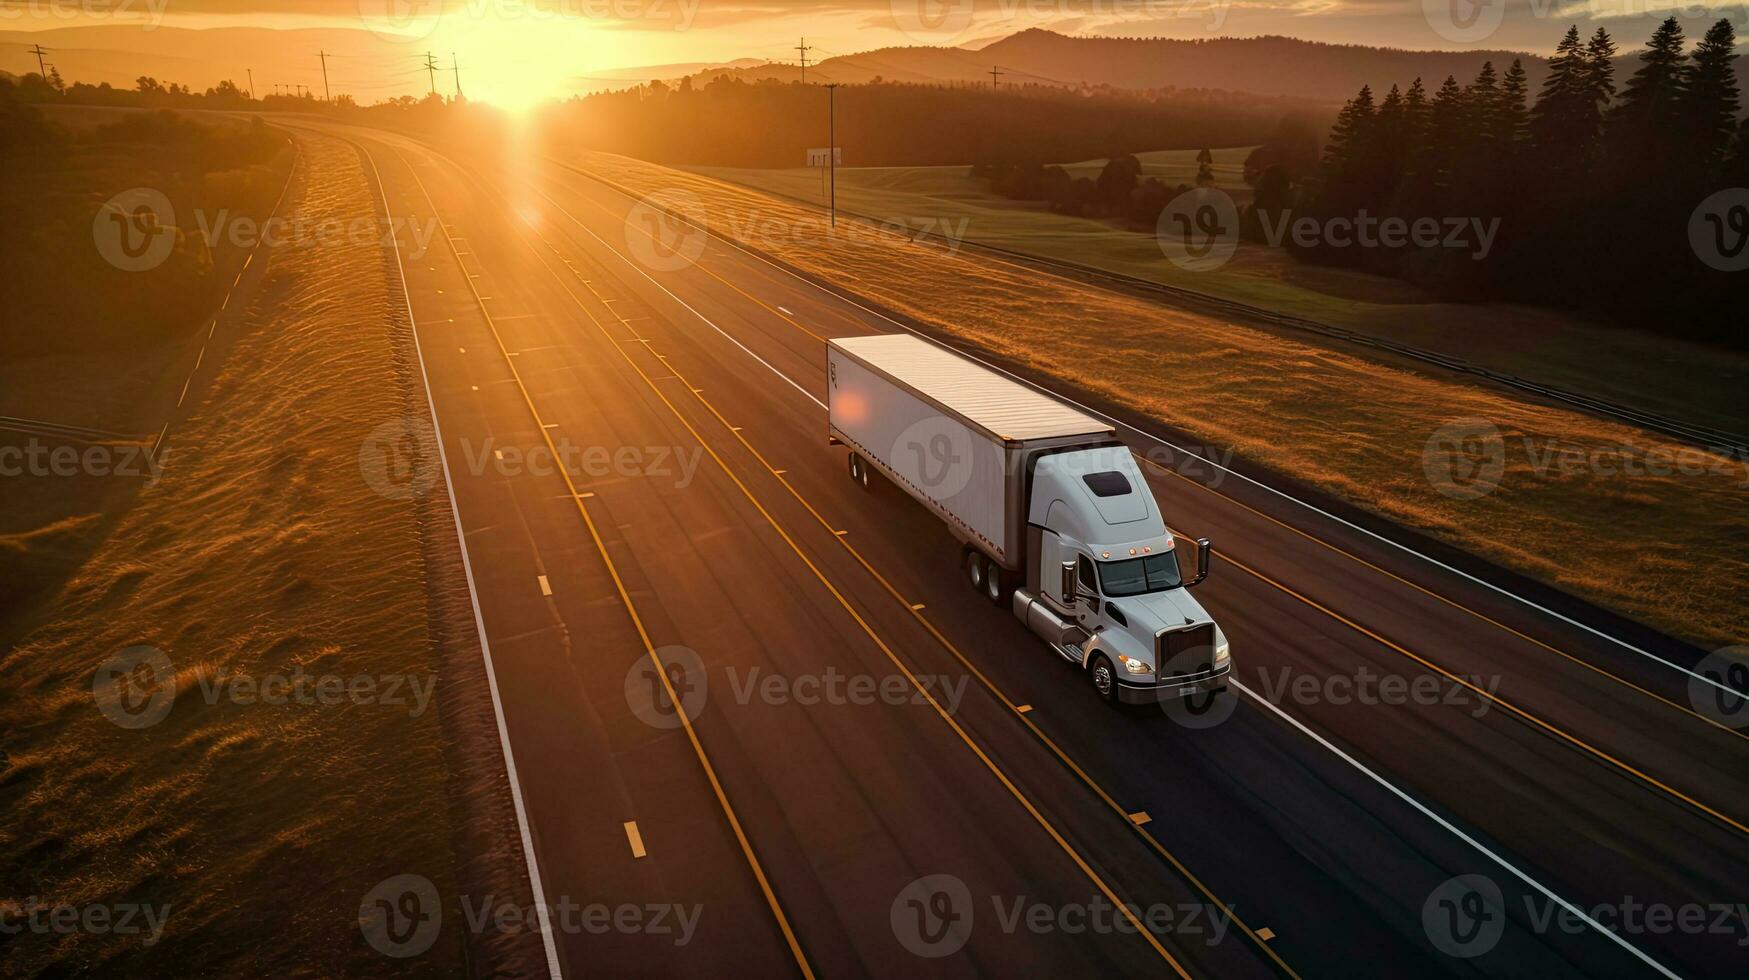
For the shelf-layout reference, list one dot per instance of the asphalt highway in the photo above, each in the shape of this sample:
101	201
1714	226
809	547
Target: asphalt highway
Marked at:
871	771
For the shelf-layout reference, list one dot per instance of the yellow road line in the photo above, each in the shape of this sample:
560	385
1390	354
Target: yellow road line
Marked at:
940	711
1309	536
1534	720
638	622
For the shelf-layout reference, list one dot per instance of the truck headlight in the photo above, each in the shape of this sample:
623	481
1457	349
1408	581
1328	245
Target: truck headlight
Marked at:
1135	666
1222	655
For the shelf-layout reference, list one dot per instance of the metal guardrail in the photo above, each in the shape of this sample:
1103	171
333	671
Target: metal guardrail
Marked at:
1717	440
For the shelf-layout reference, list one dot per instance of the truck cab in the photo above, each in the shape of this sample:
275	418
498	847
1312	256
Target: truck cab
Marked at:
1104	565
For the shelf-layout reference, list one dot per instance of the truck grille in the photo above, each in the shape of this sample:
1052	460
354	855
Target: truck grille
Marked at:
1186	653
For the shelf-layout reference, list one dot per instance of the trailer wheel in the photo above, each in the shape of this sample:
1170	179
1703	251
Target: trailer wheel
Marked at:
1104	678
858	471
995	586
974	564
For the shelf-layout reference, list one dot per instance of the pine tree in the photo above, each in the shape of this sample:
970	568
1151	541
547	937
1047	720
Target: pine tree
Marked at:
1599	74
1558	122
1511	119
1416	117
1711	91
1481	105
1651	103
1392	132
1447	118
1353	125
1205	169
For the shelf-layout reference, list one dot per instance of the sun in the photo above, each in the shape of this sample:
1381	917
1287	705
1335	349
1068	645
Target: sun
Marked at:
518	57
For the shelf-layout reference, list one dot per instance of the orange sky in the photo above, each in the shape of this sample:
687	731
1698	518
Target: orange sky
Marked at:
515	52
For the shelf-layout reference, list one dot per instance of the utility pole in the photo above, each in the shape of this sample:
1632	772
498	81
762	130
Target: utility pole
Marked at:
832	150
431	70
325	96
804	49
455	63
41	69
995	73
251	72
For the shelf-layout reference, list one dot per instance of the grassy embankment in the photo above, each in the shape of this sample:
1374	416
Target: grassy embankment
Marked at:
1683	380
1671	550
251	827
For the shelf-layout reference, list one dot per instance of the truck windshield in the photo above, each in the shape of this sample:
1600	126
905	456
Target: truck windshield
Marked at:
1135	576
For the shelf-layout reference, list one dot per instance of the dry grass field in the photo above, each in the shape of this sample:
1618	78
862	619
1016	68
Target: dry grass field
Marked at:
263	553
1627	519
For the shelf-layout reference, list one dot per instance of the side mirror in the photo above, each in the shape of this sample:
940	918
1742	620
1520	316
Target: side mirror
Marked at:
1066	585
1203	550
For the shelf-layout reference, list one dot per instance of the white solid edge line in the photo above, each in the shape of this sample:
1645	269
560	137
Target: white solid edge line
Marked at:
1344	756
689	307
540	901
1458	833
1180	449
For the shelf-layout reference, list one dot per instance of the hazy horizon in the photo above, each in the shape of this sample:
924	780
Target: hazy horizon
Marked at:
515	54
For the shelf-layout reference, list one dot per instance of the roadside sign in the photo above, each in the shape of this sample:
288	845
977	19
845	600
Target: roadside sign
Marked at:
817	157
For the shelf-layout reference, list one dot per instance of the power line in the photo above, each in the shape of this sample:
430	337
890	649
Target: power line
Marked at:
803	48
456	64
41	68
325	96
431	71
996	73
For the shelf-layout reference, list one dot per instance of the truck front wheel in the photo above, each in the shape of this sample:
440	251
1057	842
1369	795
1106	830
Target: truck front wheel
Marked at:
1104	678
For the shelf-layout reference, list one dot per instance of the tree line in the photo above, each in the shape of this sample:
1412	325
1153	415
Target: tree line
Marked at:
1593	183
771	124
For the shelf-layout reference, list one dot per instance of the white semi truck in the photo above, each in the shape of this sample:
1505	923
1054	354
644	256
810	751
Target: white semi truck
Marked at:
1054	518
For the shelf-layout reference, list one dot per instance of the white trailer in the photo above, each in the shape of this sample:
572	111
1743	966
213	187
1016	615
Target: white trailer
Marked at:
1054	518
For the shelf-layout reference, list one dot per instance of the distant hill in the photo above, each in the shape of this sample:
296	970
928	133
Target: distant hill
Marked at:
1273	66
